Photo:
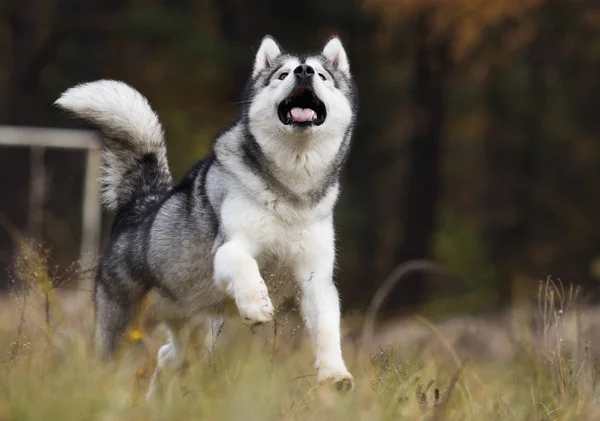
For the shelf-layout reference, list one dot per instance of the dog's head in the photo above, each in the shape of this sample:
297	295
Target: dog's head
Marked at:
309	96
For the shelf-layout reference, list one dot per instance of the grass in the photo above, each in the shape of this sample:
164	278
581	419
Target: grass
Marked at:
534	362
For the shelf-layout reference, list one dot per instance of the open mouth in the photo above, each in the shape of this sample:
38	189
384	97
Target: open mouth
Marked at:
302	108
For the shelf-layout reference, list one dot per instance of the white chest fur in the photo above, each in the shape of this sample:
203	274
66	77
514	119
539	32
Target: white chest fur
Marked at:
272	227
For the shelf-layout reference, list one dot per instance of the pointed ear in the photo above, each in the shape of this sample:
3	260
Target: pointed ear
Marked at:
267	53
335	53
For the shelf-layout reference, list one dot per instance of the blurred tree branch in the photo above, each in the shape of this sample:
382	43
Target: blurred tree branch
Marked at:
32	50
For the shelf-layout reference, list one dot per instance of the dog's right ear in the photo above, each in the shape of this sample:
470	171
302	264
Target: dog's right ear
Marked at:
267	53
335	53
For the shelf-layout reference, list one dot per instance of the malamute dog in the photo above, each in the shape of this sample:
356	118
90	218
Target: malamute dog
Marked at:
261	202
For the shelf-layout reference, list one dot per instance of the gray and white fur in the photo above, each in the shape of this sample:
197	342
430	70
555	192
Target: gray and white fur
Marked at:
261	203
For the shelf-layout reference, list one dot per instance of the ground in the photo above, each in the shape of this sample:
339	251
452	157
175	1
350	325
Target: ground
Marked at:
533	362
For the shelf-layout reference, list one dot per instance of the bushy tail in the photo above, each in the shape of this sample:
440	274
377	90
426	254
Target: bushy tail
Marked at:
134	158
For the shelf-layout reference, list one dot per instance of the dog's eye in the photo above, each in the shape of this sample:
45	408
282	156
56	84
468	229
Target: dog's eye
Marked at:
322	76
283	76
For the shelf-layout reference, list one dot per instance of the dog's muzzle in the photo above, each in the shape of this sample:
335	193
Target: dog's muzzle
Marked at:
302	108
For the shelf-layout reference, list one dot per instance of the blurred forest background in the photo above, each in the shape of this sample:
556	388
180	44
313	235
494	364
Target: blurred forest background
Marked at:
478	143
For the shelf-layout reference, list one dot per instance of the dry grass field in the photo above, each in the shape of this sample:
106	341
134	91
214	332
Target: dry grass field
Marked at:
534	362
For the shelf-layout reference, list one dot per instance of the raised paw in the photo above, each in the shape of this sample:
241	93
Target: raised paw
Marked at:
341	380
256	307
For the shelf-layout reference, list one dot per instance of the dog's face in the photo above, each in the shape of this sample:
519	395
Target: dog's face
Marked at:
310	95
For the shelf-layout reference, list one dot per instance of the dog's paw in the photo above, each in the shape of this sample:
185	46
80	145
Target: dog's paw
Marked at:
341	380
255	307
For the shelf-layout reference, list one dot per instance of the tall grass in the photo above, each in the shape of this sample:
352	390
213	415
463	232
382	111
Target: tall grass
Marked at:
413	369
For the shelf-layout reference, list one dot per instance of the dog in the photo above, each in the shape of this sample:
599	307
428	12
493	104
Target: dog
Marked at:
261	203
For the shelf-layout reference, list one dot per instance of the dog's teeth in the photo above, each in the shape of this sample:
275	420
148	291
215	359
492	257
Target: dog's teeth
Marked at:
314	116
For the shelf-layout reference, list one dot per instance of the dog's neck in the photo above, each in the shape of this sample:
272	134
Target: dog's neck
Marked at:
301	161
298	176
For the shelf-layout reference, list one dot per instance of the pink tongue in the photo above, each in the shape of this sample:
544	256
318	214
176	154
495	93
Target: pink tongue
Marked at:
301	114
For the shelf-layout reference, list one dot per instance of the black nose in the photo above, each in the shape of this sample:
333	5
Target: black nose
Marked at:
304	71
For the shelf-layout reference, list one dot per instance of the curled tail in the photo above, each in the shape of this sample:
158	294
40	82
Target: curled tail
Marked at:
134	159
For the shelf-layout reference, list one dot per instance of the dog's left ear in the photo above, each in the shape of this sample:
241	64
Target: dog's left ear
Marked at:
267	53
335	53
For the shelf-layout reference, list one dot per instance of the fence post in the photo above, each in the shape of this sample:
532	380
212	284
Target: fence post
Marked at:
90	232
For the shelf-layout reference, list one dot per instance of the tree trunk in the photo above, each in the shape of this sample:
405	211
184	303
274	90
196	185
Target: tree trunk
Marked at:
26	20
423	184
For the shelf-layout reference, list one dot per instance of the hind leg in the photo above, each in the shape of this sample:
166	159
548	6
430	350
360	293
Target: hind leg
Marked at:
214	327
114	312
171	358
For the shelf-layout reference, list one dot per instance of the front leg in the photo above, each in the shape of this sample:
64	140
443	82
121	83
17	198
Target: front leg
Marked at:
237	274
320	305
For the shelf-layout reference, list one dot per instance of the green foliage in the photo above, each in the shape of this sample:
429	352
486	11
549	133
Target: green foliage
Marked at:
459	247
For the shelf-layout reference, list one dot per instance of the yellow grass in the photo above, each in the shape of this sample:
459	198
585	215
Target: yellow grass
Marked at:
531	363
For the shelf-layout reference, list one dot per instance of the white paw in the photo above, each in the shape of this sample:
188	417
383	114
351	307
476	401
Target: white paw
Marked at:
341	379
170	357
152	391
255	306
